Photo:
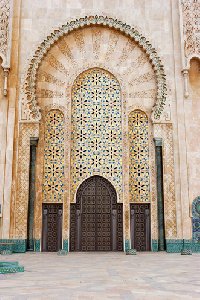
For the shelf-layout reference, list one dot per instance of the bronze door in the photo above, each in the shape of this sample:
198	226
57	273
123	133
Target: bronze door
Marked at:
96	218
140	227
51	227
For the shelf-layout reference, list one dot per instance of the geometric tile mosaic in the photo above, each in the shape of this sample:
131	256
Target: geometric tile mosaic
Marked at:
53	185
139	187
96	128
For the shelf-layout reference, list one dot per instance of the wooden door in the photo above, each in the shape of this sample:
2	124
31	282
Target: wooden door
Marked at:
96	218
52	227
140	227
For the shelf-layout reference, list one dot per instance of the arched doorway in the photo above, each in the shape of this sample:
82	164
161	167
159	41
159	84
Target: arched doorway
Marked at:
96	221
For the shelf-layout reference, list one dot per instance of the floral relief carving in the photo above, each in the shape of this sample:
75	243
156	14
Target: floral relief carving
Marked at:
191	27
4	28
96	37
44	93
54	63
46	77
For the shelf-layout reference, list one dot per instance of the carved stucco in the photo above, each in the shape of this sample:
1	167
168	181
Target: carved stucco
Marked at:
20	207
191	28
29	102
5	18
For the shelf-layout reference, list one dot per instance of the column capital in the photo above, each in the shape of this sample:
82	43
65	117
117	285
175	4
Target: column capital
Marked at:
158	142
34	142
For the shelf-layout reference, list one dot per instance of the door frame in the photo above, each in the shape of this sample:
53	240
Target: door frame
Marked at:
115	214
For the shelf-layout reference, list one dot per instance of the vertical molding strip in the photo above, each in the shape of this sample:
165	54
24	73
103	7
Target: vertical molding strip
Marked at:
31	202
160	194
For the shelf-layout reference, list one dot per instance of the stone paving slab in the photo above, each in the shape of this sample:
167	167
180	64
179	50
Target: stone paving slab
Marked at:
102	276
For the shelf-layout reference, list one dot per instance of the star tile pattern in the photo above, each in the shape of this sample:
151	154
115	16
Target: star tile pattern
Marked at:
139	187
53	186
96	128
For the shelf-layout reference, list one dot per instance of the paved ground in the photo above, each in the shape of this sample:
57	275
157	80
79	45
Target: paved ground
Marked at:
103	276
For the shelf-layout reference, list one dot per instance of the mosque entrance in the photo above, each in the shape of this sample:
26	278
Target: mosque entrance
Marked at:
52	227
96	220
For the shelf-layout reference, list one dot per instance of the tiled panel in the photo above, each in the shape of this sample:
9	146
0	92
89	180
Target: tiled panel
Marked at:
96	129
53	187
139	157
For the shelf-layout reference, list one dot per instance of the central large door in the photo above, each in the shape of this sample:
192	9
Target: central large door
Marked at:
96	218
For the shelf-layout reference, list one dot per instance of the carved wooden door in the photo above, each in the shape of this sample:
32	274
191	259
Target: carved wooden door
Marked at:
52	227
96	218
140	227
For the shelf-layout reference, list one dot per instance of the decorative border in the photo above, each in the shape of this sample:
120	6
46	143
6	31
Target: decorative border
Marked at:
6	18
189	11
176	246
40	172
19	245
172	245
30	81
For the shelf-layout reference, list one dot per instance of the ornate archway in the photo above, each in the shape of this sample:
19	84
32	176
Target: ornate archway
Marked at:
96	218
49	81
96	129
29	101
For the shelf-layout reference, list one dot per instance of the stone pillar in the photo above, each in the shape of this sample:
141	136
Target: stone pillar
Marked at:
31	200
160	194
3	129
11	89
184	229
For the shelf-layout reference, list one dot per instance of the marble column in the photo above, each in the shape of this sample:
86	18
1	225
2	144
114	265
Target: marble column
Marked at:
31	201
160	194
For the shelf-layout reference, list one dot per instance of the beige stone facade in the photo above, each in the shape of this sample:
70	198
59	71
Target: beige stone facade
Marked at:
152	50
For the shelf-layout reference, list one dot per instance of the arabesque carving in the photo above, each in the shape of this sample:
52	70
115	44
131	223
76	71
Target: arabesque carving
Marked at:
30	104
4	29
191	27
